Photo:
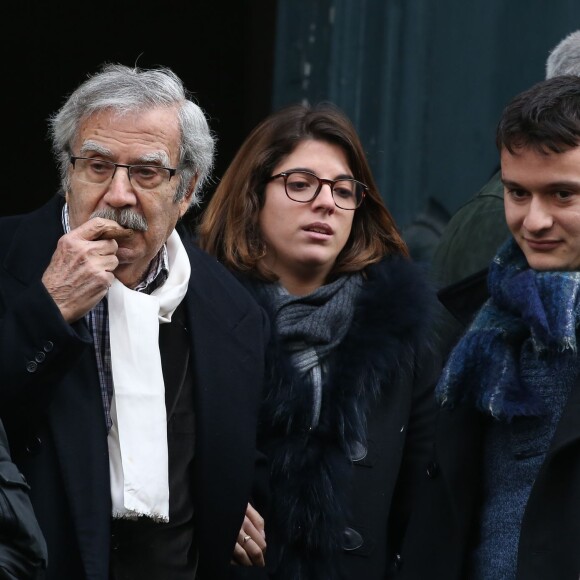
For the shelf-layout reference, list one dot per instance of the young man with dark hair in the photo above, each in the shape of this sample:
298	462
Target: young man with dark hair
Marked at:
502	492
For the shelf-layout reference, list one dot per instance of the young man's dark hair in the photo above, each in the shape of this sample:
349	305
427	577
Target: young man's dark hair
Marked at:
545	117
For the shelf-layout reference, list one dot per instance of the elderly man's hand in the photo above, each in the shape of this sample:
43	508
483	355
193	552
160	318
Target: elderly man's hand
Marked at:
81	269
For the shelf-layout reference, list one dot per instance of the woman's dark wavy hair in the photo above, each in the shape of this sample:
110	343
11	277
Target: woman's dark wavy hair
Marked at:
229	226
546	117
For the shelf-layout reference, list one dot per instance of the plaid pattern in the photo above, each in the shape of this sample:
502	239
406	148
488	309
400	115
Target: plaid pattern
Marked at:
98	321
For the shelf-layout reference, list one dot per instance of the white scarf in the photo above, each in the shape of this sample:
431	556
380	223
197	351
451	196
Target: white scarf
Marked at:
138	456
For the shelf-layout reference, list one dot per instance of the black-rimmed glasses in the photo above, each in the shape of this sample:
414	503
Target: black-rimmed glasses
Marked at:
303	186
98	171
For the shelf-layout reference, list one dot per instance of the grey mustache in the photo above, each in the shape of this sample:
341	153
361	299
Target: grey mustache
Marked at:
124	217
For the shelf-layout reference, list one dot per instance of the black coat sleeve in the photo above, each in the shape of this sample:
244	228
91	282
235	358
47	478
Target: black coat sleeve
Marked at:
22	546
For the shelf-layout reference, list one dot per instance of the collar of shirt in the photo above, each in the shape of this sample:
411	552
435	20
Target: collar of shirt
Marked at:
158	269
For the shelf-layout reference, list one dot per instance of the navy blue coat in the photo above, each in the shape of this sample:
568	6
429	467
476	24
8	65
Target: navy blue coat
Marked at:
51	403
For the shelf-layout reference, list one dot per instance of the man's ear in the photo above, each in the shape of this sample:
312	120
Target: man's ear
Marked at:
185	202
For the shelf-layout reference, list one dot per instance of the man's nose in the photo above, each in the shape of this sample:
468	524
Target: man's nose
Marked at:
539	217
120	191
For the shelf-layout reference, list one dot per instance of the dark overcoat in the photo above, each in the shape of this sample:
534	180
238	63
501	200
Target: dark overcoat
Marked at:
345	512
50	401
441	532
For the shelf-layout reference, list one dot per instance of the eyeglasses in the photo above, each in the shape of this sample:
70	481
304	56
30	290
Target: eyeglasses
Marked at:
303	186
98	171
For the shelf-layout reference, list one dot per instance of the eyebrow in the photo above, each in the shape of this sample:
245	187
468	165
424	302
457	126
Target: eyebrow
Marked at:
554	185
159	157
307	170
94	147
156	157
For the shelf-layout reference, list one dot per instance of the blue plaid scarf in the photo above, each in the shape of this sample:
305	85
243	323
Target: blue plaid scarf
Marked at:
525	304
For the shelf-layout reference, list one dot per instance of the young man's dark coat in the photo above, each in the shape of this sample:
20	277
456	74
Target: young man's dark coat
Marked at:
439	538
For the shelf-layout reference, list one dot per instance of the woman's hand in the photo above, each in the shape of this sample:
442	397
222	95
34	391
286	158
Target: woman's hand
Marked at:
251	545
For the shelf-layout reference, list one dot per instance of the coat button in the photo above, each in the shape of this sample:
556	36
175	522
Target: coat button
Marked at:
48	346
358	451
39	357
351	540
398	561
31	366
432	470
114	542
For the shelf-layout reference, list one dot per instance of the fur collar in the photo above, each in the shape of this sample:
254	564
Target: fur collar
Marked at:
310	469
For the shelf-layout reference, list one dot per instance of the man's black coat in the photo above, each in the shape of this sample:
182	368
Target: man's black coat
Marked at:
50	401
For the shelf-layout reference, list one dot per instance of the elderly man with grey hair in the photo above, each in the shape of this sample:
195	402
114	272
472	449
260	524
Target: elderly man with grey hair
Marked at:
131	362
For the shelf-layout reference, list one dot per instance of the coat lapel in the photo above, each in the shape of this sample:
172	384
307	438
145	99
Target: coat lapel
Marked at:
35	242
227	353
174	344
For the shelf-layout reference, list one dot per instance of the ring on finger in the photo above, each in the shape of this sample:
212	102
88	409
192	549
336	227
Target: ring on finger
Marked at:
246	538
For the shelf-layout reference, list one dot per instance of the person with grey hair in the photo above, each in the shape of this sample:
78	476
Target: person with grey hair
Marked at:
564	59
132	363
476	231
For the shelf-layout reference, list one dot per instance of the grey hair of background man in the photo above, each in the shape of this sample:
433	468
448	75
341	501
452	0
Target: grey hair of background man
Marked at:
564	58
125	90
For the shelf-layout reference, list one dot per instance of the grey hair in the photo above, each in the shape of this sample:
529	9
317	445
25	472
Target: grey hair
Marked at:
125	90
564	58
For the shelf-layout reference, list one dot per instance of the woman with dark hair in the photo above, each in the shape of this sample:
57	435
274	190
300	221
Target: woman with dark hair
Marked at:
346	418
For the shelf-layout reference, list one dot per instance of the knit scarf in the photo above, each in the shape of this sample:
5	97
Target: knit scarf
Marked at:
483	369
310	327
